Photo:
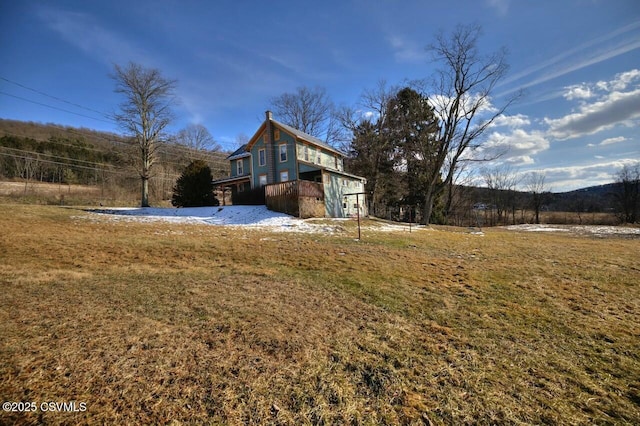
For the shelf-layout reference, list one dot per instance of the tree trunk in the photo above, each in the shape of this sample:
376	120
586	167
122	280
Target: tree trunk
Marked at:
145	192
428	208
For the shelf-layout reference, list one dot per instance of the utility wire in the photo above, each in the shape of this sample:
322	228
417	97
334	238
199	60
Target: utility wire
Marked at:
218	162
53	107
55	97
95	169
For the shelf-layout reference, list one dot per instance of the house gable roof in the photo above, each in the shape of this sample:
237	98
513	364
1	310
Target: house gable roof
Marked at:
297	134
241	152
306	137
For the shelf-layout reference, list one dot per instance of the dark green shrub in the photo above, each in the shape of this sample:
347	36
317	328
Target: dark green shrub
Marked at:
194	187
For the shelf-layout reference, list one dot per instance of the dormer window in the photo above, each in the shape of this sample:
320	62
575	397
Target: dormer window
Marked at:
240	167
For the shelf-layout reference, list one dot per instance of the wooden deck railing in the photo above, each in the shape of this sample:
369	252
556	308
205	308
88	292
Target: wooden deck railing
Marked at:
285	197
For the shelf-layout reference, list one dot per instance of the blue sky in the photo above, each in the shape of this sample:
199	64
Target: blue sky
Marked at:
578	61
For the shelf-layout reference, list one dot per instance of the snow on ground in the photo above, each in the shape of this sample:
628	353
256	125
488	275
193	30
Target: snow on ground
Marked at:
255	217
596	230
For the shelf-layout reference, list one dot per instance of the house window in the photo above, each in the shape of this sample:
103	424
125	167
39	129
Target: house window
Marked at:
319	157
276	134
240	167
283	152
263	180
326	178
284	175
262	157
306	153
335	161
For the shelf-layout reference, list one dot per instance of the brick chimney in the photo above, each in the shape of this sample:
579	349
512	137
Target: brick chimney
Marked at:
270	148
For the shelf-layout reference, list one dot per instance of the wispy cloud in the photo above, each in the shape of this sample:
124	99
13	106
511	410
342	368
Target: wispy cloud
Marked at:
611	45
501	6
611	141
86	33
406	50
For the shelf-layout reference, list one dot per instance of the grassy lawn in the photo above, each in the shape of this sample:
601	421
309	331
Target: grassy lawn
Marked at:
151	323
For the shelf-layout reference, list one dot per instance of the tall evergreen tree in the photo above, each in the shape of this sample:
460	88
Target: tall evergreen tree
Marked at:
413	127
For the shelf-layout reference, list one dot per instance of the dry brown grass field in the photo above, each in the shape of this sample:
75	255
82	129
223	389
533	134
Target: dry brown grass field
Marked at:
159	323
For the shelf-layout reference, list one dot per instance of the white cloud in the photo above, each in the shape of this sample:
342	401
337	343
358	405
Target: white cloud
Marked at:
501	6
517	147
580	176
521	160
612	107
580	91
624	79
513	121
611	141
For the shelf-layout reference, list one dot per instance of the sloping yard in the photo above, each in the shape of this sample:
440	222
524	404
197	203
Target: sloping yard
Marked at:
148	322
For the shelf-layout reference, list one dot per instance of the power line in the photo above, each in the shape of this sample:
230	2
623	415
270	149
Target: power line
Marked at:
116	171
107	116
218	162
53	107
38	154
54	97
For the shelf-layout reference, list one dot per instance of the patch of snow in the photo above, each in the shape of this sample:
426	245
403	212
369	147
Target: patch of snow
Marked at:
536	228
596	230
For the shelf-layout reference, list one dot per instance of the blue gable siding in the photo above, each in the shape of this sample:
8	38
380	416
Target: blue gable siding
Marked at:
290	164
246	169
255	159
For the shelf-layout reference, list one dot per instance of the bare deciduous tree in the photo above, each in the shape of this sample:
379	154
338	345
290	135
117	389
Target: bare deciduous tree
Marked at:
628	195
144	114
308	110
535	185
502	182
198	138
461	97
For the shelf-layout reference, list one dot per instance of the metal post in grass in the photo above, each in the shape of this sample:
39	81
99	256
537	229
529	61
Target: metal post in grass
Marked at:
357	194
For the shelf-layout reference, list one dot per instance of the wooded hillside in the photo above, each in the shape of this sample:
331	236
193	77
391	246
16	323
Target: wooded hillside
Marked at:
50	153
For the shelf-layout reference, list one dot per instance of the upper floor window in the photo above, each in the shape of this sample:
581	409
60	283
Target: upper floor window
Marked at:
240	167
262	157
319	157
306	153
276	134
283	152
